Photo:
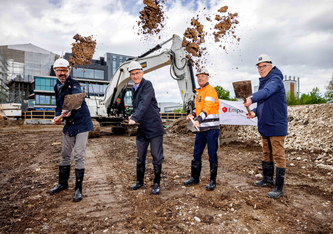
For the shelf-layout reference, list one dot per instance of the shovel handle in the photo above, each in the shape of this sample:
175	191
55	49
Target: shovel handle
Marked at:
60	117
196	127
248	108
57	119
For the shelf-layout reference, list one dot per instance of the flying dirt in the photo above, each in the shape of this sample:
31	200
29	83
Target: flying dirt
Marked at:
83	50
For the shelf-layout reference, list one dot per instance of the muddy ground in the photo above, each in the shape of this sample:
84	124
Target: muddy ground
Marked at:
29	158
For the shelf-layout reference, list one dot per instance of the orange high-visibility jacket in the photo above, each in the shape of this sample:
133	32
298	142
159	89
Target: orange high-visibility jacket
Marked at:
207	108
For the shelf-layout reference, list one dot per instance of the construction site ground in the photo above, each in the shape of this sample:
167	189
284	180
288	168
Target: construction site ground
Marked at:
29	161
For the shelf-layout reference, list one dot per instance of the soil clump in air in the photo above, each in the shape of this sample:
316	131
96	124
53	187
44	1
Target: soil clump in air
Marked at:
151	17
82	51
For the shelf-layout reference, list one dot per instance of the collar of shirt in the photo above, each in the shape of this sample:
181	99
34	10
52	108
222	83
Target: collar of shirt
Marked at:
136	87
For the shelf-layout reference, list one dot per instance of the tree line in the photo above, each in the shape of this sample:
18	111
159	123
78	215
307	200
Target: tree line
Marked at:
313	97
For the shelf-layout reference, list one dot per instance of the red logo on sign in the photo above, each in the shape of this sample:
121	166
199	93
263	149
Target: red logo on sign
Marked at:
224	109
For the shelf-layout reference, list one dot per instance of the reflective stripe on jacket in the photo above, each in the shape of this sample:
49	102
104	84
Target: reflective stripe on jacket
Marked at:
207	108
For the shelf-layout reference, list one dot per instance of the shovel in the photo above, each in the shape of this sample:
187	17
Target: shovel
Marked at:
71	102
243	90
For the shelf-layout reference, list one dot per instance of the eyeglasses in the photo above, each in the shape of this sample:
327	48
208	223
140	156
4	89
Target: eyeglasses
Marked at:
262	67
135	74
62	71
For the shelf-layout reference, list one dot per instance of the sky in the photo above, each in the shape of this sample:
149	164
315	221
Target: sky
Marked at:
297	35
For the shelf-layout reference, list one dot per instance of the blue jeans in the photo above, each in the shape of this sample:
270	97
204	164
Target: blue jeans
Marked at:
210	138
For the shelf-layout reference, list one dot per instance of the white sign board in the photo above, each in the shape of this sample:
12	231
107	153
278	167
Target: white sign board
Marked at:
234	113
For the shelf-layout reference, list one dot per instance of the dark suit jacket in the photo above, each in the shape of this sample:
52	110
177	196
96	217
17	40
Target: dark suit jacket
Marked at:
146	112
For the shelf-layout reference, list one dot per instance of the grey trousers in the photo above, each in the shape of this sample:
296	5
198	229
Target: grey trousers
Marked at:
156	149
78	143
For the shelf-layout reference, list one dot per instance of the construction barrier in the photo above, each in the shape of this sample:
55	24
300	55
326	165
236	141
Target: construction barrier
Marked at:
50	115
38	114
172	115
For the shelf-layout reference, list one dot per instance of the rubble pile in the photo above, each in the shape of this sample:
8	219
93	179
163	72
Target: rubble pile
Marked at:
151	17
310	128
82	51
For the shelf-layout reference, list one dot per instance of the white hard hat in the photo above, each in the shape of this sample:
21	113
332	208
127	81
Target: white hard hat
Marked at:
263	58
60	63
202	71
134	65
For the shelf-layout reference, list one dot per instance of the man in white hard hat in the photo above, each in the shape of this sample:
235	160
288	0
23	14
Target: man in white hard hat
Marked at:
150	129
272	116
207	120
75	132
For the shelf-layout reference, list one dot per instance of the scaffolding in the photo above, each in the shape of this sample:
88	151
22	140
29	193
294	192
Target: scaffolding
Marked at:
3	78
24	61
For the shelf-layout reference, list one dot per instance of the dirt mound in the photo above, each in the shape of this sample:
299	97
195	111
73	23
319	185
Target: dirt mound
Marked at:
10	123
179	126
151	17
82	50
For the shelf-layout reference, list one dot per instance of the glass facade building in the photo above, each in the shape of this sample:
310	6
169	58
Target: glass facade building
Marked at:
113	61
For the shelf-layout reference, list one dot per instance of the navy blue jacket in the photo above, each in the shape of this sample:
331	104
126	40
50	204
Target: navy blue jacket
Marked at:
79	120
271	107
146	112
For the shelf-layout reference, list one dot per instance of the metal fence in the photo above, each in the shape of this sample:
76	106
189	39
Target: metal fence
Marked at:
51	114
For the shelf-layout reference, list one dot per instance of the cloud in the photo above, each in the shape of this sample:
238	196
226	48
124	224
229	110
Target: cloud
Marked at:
297	35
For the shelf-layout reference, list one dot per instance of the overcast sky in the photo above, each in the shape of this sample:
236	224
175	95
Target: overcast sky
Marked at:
297	35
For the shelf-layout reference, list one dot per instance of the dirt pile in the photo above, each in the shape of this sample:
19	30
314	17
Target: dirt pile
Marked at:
151	17
10	123
179	126
82	51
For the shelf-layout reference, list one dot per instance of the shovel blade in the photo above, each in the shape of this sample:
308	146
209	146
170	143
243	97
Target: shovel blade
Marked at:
243	89
73	101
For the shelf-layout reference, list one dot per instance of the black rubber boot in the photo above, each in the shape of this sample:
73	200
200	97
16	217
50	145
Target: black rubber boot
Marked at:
63	179
279	181
79	173
213	173
268	173
157	179
140	173
195	174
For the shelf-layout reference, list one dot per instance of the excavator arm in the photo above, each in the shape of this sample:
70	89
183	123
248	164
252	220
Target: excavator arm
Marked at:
180	70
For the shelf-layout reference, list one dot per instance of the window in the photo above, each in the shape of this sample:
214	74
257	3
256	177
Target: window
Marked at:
37	99
47	100
78	72
53	100
99	74
46	84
